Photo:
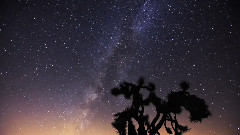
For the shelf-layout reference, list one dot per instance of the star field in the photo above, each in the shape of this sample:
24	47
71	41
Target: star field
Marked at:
60	59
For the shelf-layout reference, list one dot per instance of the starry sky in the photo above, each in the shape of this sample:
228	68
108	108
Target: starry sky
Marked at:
60	59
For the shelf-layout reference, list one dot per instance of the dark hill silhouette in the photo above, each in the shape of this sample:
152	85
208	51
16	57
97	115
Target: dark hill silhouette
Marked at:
166	110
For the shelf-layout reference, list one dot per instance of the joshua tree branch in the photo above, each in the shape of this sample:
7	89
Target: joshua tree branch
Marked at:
152	125
159	125
173	121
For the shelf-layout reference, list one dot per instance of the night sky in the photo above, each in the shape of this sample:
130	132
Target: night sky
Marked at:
59	60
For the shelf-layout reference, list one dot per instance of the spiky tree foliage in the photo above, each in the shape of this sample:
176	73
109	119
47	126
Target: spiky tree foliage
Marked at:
166	110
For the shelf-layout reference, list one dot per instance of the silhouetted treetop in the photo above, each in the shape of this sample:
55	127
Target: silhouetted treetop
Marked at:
184	85
166	110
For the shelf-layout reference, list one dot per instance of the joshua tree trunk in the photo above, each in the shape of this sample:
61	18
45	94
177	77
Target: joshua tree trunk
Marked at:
141	129
131	128
154	130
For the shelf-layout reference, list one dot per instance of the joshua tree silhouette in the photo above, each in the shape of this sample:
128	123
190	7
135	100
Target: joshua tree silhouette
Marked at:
166	110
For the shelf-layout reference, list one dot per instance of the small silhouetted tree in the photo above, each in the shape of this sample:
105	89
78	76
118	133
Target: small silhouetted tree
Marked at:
166	110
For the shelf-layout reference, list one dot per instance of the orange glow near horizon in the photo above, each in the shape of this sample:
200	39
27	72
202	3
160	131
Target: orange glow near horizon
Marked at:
69	127
20	126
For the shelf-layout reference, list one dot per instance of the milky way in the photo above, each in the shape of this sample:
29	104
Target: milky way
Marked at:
60	59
